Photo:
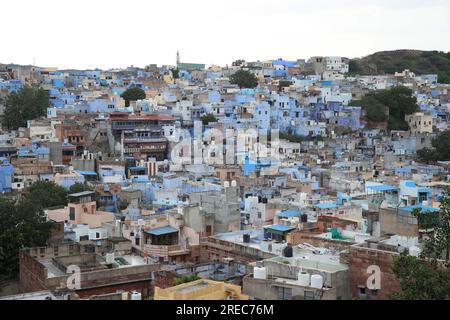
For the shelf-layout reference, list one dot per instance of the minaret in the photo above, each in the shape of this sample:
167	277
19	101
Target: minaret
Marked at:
178	58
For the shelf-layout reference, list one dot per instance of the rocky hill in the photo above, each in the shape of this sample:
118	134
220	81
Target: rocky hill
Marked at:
419	62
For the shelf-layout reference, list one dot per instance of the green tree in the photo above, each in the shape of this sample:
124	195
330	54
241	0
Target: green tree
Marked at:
373	108
185	279
244	79
398	100
427	155
440	151
428	277
420	280
44	194
438	246
133	94
238	63
79	187
207	118
22	225
175	73
26	104
283	84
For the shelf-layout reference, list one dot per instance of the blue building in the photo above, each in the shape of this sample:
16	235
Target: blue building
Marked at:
6	174
261	112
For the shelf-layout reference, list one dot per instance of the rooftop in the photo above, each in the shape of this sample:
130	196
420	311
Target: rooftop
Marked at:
82	194
279	227
161	231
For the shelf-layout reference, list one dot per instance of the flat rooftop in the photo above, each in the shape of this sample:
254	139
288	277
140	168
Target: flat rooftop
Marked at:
327	263
194	287
122	261
322	255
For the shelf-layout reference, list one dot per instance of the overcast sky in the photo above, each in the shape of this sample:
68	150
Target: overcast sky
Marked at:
120	33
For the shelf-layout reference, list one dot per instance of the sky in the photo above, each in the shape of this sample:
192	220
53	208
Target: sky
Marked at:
119	33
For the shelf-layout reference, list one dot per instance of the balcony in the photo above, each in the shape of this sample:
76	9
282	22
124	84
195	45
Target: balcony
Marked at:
165	251
145	139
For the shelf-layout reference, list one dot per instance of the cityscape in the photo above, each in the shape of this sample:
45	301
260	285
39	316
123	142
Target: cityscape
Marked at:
308	178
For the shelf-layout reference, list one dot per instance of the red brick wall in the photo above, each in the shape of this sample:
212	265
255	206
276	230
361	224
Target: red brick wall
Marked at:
162	279
32	274
325	223
360	259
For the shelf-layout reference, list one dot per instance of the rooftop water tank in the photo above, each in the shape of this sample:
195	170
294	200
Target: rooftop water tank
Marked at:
136	296
317	281
125	295
414	251
303	279
110	258
288	251
260	273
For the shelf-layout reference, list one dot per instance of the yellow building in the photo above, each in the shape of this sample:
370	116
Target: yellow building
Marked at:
420	122
168	78
202	289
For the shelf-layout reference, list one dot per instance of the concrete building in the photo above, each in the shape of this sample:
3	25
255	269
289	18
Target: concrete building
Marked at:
101	272
298	278
420	122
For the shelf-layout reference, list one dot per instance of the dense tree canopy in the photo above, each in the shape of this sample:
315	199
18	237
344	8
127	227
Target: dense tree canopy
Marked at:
283	84
398	100
175	73
438	247
244	79
44	194
133	94
238	63
420	280
207	118
79	187
440	151
26	104
374	109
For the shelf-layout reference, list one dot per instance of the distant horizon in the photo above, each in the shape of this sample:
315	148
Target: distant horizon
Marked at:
206	65
90	34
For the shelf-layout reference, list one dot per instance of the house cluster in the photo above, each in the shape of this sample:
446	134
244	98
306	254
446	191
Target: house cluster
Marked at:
234	200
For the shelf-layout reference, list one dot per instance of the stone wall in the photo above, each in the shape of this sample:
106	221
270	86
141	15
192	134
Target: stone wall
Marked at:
359	259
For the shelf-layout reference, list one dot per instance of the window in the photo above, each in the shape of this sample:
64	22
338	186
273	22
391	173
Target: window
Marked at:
89	249
284	293
309	295
72	213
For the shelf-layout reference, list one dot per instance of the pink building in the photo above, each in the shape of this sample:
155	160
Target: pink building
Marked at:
81	210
